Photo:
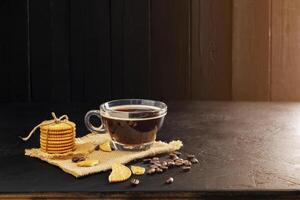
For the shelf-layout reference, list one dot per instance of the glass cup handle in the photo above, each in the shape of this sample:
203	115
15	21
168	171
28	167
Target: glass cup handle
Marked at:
89	125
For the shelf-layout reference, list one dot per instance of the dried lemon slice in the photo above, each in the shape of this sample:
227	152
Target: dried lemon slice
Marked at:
119	173
105	147
88	163
137	170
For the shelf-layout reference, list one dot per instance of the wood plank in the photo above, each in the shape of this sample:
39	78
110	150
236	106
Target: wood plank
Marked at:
285	50
19	71
97	52
90	50
251	50
40	50
4	51
117	46
130	48
14	82
170	49
60	67
77	50
211	49
136	48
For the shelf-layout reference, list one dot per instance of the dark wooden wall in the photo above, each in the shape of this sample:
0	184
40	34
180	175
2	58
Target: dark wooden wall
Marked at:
76	50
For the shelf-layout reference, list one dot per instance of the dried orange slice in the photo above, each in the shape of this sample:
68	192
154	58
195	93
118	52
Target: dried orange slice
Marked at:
137	170
88	163
119	173
105	147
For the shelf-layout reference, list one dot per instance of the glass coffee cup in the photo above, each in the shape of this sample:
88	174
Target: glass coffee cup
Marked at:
132	123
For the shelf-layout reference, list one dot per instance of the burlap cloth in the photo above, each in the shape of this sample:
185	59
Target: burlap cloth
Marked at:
86	145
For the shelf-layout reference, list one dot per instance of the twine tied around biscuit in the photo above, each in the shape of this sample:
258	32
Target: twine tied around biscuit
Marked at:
55	120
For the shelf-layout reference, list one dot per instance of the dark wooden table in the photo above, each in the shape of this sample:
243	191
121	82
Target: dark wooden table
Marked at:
246	150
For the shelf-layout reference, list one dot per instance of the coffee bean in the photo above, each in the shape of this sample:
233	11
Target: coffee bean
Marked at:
159	170
177	153
178	159
163	167
146	160
194	160
164	163
97	147
178	163
151	171
154	162
134	181
173	156
78	158
153	166
169	180
186	168
155	158
171	163
187	163
190	156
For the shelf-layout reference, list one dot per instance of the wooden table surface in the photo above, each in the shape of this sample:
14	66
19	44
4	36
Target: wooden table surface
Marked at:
246	150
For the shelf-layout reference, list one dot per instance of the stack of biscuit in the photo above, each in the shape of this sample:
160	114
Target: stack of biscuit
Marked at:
58	138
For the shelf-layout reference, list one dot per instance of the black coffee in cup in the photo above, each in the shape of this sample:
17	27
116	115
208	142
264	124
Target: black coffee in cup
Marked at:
134	131
131	123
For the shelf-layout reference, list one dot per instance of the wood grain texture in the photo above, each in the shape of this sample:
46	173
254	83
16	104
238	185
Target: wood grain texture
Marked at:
285	50
211	45
4	51
251	50
40	50
14	70
130	48
170	49
90	50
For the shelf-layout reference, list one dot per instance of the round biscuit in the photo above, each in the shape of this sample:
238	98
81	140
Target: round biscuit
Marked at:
58	148
59	152
57	132
44	146
61	126
45	135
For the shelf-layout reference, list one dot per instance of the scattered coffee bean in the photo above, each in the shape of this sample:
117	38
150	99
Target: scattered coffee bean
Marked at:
178	159
169	180
194	160
164	163
173	156
153	166
134	181
163	167
159	170
78	158
151	171
178	163
154	162
186	168
146	160
171	163
187	163
155	158
177	153
97	147
190	156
